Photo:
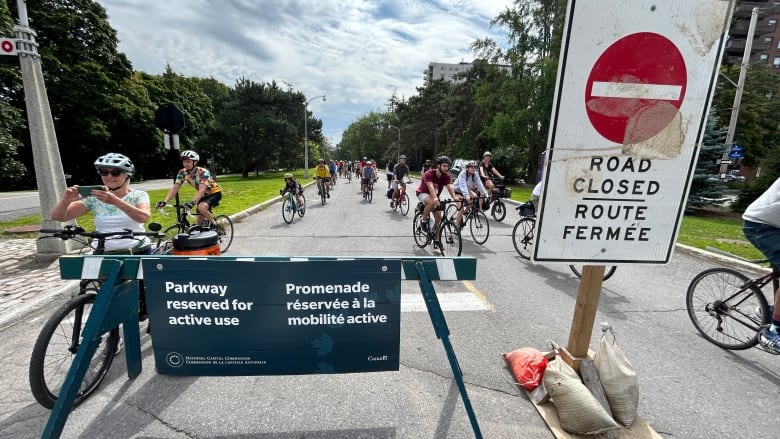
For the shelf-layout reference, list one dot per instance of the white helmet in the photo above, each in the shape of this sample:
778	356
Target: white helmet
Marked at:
189	154
116	160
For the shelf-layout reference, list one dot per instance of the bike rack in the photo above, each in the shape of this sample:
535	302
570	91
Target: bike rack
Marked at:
118	298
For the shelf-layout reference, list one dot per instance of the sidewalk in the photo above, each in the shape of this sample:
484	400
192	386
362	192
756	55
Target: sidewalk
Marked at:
26	285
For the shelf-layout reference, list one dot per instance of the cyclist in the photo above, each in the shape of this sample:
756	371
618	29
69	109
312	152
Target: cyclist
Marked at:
207	191
400	170
487	171
762	229
468	184
115	209
292	185
433	183
535	195
334	171
322	174
389	171
367	173
426	166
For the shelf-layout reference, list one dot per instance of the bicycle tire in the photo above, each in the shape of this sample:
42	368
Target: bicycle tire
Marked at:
405	204
479	226
724	319
420	236
450	239
302	207
53	353
451	212
164	245
498	210
288	210
609	270
523	236
224	232
370	195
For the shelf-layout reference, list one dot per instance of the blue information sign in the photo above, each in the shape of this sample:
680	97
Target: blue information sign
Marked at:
736	152
212	317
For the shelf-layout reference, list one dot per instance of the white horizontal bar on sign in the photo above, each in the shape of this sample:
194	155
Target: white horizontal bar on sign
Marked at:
448	302
636	91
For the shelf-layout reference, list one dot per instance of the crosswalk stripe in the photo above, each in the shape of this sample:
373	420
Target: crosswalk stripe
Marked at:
448	302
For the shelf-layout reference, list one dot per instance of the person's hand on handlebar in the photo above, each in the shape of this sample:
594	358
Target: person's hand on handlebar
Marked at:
160	204
188	205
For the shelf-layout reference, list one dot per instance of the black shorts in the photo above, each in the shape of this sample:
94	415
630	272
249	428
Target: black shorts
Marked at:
212	199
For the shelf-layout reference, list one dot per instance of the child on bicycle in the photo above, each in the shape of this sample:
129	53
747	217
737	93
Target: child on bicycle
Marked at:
208	192
292	185
116	208
762	229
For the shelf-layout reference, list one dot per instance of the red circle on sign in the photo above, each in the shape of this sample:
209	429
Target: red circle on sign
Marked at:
7	46
635	88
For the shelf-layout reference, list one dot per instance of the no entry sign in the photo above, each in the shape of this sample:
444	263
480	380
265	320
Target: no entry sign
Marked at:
636	87
633	90
7	46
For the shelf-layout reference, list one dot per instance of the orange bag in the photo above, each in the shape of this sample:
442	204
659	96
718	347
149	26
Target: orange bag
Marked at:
527	366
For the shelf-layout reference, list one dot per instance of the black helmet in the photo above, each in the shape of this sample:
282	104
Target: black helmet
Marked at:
443	159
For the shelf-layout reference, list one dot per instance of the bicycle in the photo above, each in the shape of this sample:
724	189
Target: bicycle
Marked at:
401	201
290	206
224	229
479	226
495	202
523	239
728	308
321	190
368	192
59	340
448	232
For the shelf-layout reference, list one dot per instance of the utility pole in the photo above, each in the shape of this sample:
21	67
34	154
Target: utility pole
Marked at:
49	174
725	159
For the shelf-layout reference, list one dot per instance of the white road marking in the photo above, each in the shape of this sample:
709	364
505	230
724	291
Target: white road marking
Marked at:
414	302
636	91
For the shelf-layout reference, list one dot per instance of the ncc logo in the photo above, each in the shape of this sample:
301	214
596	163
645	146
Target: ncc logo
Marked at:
7	46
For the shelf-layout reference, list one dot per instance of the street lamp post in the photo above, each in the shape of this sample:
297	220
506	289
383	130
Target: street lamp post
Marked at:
399	140
306	134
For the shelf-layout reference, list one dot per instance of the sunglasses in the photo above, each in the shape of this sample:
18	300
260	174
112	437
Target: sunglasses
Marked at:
114	172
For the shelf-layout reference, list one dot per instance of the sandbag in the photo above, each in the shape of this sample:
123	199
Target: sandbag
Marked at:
527	366
578	410
618	378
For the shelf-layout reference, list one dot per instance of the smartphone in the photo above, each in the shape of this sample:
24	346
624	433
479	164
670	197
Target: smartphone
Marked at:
86	191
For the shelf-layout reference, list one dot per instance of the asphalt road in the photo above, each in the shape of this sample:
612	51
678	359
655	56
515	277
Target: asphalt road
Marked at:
688	387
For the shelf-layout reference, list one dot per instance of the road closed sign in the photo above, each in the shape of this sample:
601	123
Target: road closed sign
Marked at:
633	91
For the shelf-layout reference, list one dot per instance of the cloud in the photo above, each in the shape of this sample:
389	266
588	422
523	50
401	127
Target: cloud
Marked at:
357	52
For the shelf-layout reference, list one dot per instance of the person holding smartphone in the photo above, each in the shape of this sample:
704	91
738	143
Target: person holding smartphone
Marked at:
115	205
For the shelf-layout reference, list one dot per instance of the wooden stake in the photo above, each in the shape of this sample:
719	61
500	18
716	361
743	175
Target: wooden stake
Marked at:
585	310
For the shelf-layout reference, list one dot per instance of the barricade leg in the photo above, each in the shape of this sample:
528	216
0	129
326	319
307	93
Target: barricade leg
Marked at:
443	333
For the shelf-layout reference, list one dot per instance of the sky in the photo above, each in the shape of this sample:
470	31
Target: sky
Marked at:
357	53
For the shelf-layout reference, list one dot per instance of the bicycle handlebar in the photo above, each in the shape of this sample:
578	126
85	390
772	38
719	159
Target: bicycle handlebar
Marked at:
70	232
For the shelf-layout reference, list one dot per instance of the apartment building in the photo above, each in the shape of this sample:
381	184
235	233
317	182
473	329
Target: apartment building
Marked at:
766	38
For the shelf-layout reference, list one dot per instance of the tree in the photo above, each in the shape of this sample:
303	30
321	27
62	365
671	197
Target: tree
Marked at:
11	122
706	191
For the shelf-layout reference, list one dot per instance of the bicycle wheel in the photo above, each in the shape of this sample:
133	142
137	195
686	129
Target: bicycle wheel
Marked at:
498	211
302	207
288	210
724	315
225	232
451	212
479	226
609	270
56	348
420	235
450	239
523	236
405	204
164	244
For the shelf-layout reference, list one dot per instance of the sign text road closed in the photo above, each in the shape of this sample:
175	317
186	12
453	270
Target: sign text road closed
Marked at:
632	96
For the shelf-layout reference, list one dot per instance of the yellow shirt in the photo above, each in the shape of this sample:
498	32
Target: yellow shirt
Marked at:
322	171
